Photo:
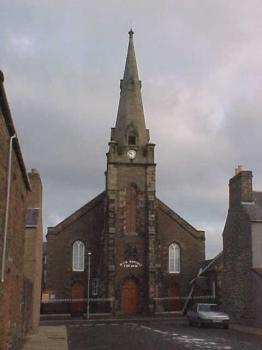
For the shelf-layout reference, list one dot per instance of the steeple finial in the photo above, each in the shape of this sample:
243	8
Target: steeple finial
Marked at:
131	33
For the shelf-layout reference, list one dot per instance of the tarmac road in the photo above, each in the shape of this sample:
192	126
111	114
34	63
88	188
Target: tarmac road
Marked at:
175	335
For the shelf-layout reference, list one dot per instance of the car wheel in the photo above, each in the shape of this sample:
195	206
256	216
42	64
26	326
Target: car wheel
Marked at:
190	323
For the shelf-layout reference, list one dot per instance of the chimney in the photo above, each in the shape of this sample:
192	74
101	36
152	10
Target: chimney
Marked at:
240	187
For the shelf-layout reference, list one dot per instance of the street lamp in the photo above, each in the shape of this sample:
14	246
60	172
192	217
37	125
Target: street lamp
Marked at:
88	285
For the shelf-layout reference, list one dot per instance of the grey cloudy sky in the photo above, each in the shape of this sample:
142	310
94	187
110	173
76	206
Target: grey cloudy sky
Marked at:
200	62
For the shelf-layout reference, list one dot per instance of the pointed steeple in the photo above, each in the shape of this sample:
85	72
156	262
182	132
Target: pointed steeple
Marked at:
130	115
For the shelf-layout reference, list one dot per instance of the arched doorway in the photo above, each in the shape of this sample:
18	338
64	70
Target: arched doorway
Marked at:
129	297
77	295
174	304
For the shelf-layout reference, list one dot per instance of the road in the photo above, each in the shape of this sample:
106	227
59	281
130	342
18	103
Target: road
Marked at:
156	335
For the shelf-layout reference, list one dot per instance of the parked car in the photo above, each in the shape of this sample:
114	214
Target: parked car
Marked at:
207	314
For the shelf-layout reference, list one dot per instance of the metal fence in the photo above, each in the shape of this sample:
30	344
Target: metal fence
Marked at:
77	306
180	304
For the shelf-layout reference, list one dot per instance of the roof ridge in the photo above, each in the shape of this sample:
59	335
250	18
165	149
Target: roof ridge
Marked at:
75	215
195	232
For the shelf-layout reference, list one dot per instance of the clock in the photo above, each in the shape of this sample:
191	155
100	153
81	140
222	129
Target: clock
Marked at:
131	154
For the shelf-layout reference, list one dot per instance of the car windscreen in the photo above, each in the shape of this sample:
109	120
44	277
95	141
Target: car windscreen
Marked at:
207	307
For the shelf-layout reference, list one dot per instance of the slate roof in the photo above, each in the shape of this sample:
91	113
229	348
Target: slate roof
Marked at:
211	264
254	209
76	215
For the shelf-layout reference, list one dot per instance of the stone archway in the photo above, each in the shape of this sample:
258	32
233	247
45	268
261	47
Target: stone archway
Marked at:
130	297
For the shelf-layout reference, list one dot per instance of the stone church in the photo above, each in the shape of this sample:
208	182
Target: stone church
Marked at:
141	249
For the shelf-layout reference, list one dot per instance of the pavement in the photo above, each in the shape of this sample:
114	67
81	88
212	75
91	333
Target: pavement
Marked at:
47	338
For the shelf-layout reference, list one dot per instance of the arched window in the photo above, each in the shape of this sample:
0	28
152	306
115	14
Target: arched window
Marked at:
174	258
131	200
78	256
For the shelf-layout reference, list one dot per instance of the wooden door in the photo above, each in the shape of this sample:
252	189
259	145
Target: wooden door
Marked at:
130	297
77	293
174	303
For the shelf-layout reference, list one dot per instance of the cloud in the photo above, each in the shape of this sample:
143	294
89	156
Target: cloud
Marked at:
200	66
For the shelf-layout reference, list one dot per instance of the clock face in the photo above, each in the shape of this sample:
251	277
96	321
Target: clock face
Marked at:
131	154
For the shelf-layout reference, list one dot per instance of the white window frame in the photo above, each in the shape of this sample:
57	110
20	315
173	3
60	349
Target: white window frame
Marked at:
174	258
78	256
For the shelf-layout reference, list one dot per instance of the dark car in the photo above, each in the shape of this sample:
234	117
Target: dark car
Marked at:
207	314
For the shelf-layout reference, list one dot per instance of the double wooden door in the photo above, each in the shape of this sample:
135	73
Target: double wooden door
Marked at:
130	298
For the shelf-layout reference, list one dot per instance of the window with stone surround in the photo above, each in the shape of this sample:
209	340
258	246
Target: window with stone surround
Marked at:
131	201
174	258
78	260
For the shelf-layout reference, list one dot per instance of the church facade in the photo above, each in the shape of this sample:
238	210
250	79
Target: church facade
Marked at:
141	249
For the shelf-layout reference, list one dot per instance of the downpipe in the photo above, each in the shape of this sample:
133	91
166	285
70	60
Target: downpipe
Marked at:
7	207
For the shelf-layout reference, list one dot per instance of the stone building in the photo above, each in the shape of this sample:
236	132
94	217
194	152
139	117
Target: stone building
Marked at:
141	249
242	252
16	291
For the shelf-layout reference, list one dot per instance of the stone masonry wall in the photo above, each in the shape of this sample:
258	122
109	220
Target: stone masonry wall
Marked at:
237	263
142	241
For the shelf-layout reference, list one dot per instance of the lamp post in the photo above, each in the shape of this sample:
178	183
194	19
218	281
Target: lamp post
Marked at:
88	285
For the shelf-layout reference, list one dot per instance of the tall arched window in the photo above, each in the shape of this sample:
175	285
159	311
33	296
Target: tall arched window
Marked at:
78	256
131	200
174	258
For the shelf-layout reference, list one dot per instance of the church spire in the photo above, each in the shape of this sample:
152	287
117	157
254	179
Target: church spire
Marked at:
130	115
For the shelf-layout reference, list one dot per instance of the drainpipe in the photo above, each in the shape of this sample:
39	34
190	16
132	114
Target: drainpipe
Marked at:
7	206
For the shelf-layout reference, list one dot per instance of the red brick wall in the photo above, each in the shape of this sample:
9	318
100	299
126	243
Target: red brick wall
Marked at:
11	291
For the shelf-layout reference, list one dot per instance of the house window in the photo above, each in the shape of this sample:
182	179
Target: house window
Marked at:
78	256
174	258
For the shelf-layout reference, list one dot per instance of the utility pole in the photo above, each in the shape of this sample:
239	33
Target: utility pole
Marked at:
88	286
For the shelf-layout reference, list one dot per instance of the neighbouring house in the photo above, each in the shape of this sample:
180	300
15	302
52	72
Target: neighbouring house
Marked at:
17	295
233	279
242	252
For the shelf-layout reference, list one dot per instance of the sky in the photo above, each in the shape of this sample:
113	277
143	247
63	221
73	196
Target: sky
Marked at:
200	62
